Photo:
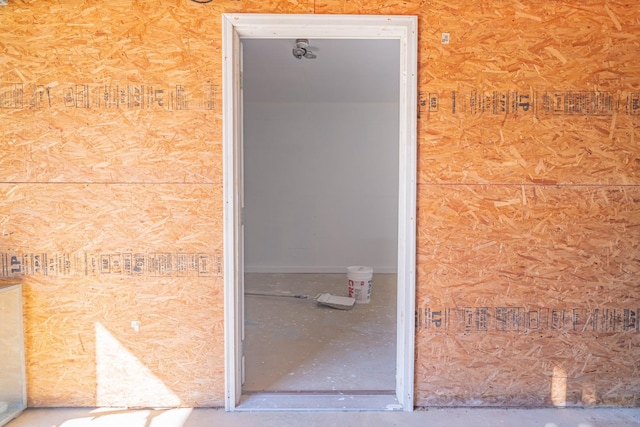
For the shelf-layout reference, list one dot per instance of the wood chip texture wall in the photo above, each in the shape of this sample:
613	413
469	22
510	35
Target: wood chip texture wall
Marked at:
528	198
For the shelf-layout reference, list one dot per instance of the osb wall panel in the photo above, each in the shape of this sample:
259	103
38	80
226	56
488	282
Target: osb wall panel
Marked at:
527	289
527	277
119	93
83	351
93	145
528	244
544	92
528	174
515	149
72	218
111	199
95	257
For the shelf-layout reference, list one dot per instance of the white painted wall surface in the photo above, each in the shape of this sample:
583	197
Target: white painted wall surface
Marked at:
321	182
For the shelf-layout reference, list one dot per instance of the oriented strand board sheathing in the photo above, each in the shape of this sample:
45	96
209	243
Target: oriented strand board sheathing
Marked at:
77	145
487	149
492	245
527	292
484	137
527	51
516	369
560	45
83	350
124	40
108	218
129	93
81	347
271	6
528	195
514	281
125	92
364	7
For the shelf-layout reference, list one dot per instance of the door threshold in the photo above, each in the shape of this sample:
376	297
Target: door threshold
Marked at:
319	401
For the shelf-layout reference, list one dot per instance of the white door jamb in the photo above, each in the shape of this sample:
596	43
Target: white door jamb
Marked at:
402	28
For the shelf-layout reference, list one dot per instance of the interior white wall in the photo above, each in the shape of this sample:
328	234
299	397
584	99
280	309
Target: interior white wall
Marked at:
321	183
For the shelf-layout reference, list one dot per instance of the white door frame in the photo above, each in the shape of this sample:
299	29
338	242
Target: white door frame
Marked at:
236	26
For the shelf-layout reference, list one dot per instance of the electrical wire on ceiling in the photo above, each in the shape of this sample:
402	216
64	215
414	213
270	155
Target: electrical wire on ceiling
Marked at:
202	1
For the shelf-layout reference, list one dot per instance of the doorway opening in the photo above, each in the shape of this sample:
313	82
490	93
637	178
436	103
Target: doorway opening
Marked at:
253	175
320	150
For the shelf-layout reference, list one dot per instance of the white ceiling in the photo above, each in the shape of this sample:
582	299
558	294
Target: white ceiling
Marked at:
351	70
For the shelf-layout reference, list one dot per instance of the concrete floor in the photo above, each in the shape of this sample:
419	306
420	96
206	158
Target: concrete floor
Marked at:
295	344
433	417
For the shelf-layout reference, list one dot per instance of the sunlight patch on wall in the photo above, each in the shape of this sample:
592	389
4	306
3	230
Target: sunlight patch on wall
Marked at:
559	387
589	394
122	380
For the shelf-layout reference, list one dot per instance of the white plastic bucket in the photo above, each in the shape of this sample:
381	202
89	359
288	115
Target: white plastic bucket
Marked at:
360	283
